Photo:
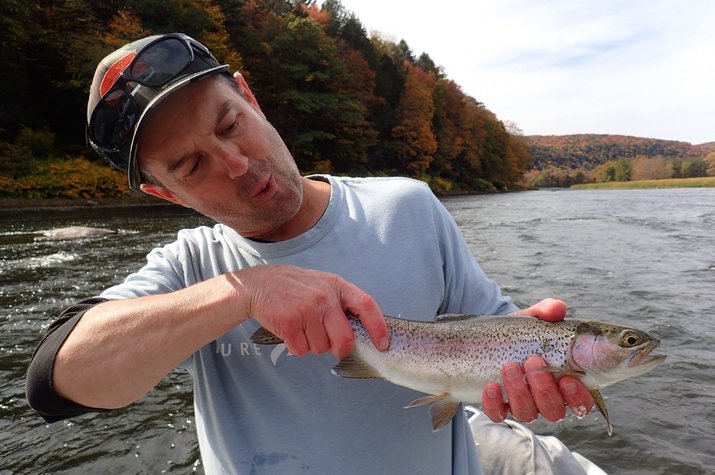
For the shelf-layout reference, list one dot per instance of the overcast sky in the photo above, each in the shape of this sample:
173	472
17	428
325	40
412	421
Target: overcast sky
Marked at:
630	67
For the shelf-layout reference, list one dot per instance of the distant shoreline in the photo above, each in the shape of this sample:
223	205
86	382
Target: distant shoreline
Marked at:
702	182
42	204
47	204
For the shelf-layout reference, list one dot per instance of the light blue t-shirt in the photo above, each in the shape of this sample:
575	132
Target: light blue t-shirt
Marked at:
260	410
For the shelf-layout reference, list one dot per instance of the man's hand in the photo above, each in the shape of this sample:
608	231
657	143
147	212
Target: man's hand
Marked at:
306	309
532	391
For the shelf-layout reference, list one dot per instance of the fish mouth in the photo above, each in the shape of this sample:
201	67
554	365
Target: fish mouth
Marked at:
643	355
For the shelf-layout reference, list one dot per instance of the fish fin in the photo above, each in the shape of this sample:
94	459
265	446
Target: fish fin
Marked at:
453	317
426	400
442	412
601	404
352	366
442	409
264	337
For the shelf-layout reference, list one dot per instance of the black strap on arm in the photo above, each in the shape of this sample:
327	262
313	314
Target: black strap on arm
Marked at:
40	393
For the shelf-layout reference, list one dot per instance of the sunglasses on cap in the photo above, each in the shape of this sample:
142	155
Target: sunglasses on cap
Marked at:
136	82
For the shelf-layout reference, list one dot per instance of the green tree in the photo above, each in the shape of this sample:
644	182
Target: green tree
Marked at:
615	170
468	165
304	88
18	28
427	65
389	84
710	161
497	163
357	136
346	26
448	105
693	167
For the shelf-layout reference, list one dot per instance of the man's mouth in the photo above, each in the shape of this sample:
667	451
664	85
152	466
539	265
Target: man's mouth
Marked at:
265	190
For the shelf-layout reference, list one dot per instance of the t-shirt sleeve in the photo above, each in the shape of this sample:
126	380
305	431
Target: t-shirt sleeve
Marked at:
468	289
39	390
164	272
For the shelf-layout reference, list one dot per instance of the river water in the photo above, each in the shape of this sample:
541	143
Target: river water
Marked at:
640	257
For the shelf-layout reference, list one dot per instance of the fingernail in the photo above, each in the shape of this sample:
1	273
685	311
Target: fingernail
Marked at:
580	411
512	373
570	388
384	343
493	393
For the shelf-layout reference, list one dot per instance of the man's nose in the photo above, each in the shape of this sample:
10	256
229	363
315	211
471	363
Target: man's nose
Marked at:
236	163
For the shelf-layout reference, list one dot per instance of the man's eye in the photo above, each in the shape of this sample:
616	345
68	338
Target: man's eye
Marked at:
231	127
193	168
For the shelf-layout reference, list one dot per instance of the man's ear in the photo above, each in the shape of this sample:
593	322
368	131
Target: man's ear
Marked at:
161	193
246	93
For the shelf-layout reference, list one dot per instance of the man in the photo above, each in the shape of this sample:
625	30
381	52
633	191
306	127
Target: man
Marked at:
291	254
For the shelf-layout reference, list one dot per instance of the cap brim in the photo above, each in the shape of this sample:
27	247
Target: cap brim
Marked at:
134	177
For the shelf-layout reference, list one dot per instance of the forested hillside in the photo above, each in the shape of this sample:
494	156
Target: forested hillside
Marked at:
565	160
345	102
590	150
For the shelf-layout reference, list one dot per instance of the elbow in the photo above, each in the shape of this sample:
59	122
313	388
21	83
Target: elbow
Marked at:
38	390
42	395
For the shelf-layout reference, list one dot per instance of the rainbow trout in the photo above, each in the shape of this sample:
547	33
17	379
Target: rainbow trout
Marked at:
453	357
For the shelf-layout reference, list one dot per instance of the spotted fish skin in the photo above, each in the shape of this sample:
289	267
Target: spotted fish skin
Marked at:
460	354
454	357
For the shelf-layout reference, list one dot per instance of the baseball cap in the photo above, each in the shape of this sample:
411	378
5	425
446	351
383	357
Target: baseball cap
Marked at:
130	82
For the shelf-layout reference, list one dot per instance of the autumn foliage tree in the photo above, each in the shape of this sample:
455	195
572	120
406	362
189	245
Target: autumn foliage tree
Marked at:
344	101
655	168
413	141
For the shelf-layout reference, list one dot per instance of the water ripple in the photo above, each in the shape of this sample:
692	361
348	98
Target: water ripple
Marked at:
640	257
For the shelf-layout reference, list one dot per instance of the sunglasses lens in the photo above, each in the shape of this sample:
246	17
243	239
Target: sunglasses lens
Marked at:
161	62
114	120
129	91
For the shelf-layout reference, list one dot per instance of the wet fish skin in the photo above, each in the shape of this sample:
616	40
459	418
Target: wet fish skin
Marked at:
452	358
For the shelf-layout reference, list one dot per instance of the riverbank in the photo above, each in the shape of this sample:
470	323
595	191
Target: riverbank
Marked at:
18	204
137	199
701	182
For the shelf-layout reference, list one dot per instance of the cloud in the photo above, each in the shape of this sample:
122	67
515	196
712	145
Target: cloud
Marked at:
570	66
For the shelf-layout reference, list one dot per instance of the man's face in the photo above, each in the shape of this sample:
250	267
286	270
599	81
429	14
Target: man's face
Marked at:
212	150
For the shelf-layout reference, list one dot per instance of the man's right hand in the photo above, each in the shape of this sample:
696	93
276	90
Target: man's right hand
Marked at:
306	308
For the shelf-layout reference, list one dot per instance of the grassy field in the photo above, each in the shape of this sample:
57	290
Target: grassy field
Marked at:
667	183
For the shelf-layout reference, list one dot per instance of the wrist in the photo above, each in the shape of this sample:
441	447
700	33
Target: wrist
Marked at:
239	293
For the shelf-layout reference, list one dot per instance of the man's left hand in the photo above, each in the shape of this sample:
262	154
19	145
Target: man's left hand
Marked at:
531	390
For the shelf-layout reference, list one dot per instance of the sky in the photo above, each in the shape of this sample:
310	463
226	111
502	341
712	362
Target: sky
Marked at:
553	67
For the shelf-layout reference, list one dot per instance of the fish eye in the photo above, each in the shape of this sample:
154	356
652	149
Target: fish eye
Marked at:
630	339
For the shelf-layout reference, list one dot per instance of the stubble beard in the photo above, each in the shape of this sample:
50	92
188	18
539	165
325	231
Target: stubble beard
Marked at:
259	220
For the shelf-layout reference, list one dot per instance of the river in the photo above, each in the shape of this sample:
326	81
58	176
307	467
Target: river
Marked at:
641	257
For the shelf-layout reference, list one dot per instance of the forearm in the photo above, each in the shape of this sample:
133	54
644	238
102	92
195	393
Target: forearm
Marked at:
120	349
